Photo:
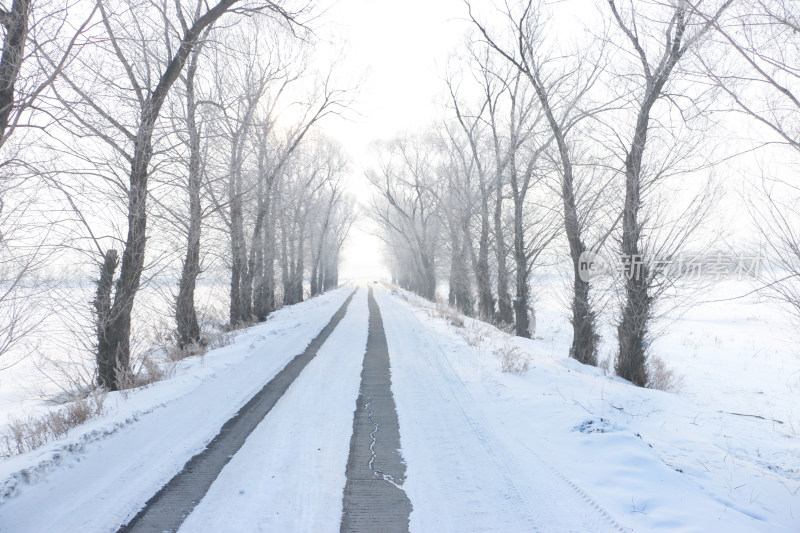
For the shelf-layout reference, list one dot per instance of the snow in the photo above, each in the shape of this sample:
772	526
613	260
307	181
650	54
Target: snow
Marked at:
103	472
301	448
561	448
464	472
652	461
57	354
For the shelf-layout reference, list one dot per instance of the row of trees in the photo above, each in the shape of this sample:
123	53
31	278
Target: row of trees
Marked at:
552	148
170	137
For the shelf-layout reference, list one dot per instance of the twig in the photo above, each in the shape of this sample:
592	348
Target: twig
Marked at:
751	416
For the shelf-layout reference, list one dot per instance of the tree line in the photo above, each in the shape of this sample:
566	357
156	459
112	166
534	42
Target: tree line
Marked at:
151	134
563	141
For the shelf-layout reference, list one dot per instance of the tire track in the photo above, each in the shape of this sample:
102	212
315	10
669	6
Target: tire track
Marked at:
169	507
374	499
540	498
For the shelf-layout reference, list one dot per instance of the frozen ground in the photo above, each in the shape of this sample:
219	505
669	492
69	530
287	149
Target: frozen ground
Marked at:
653	461
561	448
104	471
55	356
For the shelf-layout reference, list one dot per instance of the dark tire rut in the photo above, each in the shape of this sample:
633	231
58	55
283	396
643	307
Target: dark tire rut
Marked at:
374	500
166	511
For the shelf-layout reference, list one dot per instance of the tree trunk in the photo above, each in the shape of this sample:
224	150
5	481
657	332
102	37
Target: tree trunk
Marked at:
269	264
106	376
238	246
584	336
459	276
286	280
482	277
297	277
115	353
185	313
631	361
313	282
521	322
632	331
258	281
505	314
16	23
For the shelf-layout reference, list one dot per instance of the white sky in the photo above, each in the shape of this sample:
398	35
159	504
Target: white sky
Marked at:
399	51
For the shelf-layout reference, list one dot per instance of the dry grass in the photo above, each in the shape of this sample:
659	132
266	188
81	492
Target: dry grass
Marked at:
83	400
176	353
474	335
660	377
512	359
443	310
25	434
218	339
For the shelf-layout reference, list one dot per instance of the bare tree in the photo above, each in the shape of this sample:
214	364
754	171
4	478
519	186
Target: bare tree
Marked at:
763	37
535	224
456	206
472	124
679	32
330	199
258	75
314	217
325	99
147	60
560	92
188	328
28	32
518	143
405	207
31	34
262	143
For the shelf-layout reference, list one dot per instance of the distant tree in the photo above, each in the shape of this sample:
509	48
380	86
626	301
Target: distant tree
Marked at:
472	125
405	206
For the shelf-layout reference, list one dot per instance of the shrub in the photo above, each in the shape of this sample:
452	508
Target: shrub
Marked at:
474	335
27	434
443	310
660	377
513	360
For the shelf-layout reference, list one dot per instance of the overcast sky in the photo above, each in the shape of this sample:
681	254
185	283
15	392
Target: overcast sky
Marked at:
399	51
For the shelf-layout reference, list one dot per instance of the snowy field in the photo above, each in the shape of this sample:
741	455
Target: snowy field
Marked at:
561	448
721	454
57	357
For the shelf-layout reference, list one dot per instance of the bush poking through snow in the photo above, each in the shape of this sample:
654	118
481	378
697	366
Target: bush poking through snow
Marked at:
660	377
151	371
512	359
176	353
23	435
474	335
218	339
443	310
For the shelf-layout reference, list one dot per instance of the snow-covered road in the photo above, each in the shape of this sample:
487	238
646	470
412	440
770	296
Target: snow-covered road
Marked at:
106	470
464	473
470	466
